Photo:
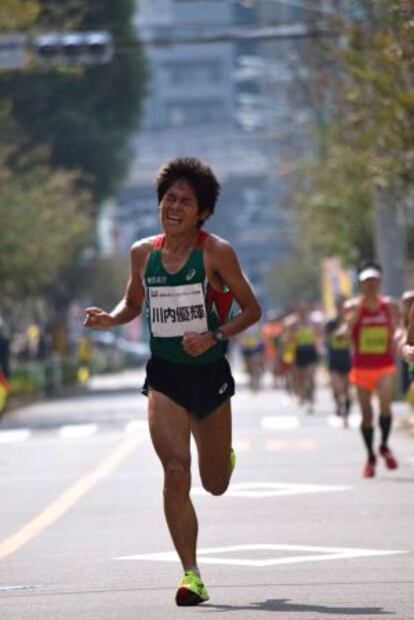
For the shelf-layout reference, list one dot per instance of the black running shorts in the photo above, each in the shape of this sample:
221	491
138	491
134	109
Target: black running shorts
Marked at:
339	361
199	388
306	355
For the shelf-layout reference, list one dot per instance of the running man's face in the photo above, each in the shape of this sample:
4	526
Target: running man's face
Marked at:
179	211
371	286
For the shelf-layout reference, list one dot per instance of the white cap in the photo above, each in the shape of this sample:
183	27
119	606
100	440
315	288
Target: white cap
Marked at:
369	272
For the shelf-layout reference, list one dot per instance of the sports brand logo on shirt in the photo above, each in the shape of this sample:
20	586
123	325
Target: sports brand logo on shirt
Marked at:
190	275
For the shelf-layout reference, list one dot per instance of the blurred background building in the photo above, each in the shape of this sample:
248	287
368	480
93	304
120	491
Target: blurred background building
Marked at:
227	102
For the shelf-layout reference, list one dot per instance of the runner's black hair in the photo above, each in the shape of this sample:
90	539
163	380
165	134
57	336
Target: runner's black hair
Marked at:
369	264
197	174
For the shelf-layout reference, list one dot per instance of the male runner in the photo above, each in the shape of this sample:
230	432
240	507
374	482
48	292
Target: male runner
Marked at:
405	336
186	276
338	351
372	319
304	334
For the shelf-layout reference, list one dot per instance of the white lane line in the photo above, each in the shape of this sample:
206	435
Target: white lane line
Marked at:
283	445
335	421
77	431
282	422
242	445
314	554
15	435
355	420
135	426
273	489
23	587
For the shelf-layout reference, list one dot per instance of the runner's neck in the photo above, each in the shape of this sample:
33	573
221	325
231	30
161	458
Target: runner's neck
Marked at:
179	245
372	302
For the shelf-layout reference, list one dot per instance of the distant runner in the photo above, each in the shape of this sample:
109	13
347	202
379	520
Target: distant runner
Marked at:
304	335
372	320
188	279
338	353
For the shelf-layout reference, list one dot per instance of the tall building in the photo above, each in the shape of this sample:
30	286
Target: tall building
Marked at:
209	100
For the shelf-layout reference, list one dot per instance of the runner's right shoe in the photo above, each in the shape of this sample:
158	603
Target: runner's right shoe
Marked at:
369	469
191	590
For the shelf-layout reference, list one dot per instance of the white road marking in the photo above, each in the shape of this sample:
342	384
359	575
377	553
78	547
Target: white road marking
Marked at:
313	554
136	426
335	421
23	587
273	489
69	498
355	420
15	435
77	431
280	423
281	445
242	445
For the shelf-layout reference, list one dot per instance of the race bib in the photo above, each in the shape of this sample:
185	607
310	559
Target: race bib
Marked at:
373	340
175	310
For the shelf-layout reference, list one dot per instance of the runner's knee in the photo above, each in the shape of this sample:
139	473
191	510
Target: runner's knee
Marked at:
216	486
177	475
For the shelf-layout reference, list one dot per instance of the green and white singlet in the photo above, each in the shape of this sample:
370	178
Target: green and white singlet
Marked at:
182	302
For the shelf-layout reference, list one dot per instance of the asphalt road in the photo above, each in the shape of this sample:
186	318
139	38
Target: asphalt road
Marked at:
299	534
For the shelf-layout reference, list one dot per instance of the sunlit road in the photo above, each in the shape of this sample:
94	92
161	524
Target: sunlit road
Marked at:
299	535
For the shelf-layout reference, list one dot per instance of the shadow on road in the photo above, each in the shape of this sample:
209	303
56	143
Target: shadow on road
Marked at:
284	605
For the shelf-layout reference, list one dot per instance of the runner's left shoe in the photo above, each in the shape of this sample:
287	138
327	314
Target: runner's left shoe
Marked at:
191	590
232	460
389	458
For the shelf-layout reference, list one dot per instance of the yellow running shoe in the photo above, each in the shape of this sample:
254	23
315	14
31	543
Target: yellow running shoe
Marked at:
191	590
232	460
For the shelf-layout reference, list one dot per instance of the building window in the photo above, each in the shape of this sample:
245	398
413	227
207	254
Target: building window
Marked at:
205	112
190	72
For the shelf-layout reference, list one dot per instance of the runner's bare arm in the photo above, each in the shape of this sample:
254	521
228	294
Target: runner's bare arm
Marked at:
131	304
226	265
348	318
406	348
222	263
395	313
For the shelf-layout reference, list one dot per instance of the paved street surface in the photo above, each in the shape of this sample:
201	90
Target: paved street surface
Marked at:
298	536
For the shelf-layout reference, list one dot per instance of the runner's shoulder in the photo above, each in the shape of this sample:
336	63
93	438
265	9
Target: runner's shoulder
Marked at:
353	304
143	245
394	307
141	248
290	322
390	301
352	310
216	247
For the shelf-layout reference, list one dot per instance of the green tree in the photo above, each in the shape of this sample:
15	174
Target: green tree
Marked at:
44	218
18	14
84	114
355	194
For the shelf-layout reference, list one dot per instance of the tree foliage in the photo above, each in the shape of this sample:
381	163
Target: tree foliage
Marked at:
64	146
84	114
367	144
44	222
18	14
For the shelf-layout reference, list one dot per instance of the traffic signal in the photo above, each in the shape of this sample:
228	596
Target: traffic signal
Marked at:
73	48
